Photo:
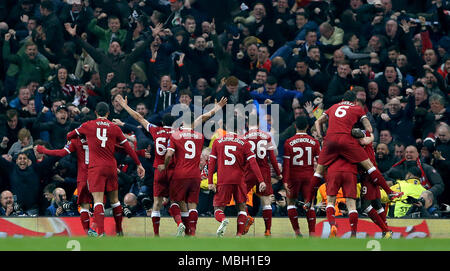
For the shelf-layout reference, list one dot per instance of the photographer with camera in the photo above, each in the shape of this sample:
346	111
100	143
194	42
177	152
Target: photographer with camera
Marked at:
132	207
8	205
60	206
422	207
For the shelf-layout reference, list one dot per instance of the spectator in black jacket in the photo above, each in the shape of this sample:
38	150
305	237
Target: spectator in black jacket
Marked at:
338	85
58	128
10	129
52	27
25	177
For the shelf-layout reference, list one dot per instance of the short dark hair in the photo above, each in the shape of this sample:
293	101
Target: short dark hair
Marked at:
349	96
301	123
102	109
304	14
48	5
11	113
271	80
168	119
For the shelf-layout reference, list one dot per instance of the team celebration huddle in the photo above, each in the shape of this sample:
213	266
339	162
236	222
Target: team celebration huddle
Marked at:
242	157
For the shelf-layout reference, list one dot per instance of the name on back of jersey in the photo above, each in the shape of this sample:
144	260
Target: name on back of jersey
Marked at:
104	123
231	139
302	140
254	135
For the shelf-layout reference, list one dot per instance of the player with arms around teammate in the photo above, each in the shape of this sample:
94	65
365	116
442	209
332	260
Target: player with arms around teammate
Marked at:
341	118
231	154
79	146
185	146
102	135
264	149
298	168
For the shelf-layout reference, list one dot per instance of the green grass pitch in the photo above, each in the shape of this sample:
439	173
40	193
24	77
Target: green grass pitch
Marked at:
223	244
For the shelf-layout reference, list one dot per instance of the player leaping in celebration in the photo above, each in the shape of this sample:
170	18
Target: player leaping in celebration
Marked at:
102	135
339	141
185	146
264	149
231	154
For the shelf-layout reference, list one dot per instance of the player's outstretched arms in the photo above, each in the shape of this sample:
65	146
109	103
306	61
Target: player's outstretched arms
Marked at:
318	124
60	152
135	115
218	106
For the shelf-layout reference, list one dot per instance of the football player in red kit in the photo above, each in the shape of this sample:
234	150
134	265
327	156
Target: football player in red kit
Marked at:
102	136
264	150
80	147
231	153
298	168
185	146
338	141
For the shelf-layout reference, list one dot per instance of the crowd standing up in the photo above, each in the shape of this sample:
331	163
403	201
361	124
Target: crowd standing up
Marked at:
211	108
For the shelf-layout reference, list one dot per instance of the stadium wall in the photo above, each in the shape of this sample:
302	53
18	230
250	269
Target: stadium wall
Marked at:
206	227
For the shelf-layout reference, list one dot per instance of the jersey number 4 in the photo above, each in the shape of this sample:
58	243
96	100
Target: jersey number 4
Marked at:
102	137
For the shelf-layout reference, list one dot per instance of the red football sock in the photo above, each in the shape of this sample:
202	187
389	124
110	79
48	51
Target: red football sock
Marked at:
315	183
156	217
382	214
353	219
192	221
241	219
377	178
330	215
85	219
377	220
219	215
311	216
99	217
293	217
175	212
117	213
267	216
185	220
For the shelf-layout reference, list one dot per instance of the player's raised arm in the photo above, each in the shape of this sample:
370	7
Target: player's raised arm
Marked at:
367	126
135	115
60	152
218	106
319	122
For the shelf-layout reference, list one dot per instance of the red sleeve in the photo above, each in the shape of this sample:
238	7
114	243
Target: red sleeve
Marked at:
140	153
59	153
255	168
212	163
286	161
274	162
71	135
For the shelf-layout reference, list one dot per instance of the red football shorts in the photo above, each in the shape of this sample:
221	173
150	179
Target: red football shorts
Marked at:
369	190
300	184
251	181
186	190
161	182
84	196
101	179
338	179
225	191
341	145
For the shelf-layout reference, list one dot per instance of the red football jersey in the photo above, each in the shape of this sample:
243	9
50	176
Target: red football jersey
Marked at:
102	135
82	150
342	165
299	154
260	142
187	145
232	153
161	137
370	151
342	116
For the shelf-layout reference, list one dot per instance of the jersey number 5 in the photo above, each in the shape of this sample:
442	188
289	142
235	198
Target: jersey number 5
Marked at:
102	137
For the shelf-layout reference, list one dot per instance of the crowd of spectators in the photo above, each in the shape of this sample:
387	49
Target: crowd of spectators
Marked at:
59	58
